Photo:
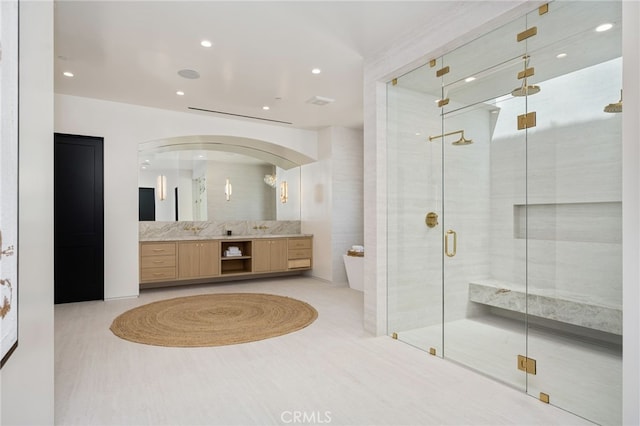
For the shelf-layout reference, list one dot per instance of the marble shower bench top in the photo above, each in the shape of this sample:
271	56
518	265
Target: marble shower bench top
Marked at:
564	307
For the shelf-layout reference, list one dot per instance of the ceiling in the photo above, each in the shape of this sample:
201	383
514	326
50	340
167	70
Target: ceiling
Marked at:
262	54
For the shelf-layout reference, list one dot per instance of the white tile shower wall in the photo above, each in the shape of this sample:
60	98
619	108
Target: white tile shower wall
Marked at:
573	156
347	183
415	253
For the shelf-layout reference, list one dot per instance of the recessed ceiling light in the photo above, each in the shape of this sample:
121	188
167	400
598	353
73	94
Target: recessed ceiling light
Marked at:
200	156
418	133
266	107
190	74
469	79
180	93
67	74
604	27
561	55
316	71
144	167
206	43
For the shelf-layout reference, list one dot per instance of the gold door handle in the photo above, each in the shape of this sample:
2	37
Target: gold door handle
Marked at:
446	243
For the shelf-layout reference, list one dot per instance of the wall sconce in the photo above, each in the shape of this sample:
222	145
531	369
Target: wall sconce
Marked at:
228	190
161	187
284	192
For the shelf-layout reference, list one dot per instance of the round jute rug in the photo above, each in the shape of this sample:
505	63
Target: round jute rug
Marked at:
213	319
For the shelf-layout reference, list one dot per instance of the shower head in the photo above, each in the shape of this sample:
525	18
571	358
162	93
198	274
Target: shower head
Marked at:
525	90
615	107
459	142
462	141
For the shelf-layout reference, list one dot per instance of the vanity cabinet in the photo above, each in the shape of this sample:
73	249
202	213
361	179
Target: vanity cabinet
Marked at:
270	255
198	259
168	263
157	261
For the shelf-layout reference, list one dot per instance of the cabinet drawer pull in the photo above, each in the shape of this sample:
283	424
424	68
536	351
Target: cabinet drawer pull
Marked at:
158	250
158	261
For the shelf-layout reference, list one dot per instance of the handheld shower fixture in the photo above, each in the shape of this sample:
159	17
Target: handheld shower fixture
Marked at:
459	142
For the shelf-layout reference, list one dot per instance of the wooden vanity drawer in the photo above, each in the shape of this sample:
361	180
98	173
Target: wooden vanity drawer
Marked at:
157	249
299	243
157	274
157	261
300	254
299	263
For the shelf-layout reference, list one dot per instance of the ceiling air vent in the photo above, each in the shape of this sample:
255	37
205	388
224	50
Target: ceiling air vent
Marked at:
319	100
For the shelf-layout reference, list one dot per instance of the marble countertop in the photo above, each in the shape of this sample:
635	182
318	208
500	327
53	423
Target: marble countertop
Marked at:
192	237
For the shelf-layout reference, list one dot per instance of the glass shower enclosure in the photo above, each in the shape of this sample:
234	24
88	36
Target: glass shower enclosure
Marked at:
504	206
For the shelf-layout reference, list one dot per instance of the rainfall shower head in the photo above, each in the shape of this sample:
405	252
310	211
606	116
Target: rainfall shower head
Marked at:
616	107
459	142
526	90
462	141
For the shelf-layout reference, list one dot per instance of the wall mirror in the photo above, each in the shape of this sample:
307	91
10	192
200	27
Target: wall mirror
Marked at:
216	182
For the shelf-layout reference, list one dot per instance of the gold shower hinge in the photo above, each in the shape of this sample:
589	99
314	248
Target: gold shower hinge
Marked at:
544	397
394	81
543	9
443	102
432	63
527	120
394	336
527	364
527	33
432	351
442	71
526	73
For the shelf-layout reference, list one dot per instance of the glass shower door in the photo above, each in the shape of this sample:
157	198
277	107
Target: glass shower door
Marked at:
414	198
484	161
574	211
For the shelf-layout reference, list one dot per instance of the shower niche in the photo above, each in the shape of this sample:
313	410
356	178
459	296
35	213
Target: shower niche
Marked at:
511	140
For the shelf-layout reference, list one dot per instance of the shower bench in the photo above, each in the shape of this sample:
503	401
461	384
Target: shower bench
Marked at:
554	305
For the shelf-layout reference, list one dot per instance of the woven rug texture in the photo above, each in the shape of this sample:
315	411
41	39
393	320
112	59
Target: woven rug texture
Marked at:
213	319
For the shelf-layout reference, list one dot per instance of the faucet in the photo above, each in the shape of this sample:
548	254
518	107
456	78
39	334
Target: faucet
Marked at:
193	228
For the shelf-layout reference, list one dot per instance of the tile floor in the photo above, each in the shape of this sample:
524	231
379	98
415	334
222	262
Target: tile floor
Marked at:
581	375
331	372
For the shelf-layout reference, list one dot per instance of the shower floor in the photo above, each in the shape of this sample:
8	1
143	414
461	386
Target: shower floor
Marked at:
580	375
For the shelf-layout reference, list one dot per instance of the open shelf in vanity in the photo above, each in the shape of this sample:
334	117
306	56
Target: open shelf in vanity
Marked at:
235	257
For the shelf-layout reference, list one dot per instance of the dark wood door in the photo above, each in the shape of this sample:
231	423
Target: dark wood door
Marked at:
78	218
146	204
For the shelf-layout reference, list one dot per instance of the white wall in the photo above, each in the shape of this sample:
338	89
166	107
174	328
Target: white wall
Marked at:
123	127
631	213
28	376
332	209
316	206
348	190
